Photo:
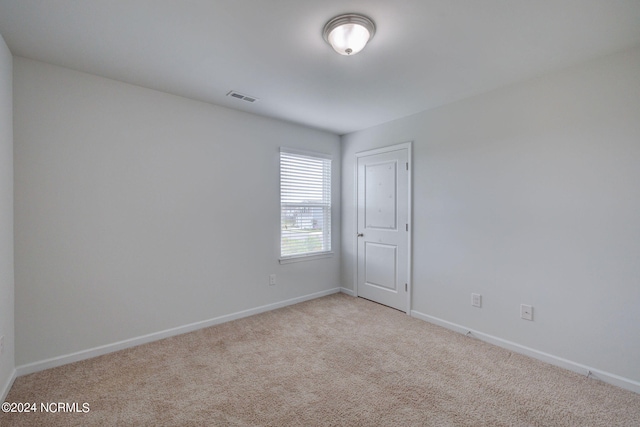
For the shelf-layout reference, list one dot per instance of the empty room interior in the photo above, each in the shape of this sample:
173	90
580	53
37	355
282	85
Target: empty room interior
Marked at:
242	183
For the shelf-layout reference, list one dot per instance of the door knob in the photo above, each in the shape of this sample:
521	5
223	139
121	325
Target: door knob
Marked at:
360	235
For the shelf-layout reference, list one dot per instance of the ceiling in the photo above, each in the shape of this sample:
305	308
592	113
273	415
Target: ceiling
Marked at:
425	53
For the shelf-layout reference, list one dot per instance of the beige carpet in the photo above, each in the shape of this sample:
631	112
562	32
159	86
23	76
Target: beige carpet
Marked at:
334	361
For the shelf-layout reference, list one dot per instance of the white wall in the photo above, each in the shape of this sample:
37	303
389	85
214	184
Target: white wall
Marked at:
528	194
139	211
7	364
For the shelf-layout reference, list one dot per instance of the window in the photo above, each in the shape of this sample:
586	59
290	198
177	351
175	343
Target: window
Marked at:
305	204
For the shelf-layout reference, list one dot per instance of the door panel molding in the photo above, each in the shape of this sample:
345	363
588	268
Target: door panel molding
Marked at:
375	253
372	219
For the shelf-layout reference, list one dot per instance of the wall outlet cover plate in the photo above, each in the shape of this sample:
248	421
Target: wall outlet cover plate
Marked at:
476	300
526	312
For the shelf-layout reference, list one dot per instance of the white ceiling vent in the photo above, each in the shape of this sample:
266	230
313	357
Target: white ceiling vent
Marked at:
242	97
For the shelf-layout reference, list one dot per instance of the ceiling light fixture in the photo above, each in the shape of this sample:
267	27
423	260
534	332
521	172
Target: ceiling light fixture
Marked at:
348	34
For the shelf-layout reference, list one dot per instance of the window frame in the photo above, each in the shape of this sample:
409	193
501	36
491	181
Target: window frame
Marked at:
326	204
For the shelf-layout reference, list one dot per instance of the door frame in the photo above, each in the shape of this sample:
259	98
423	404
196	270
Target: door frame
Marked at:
402	146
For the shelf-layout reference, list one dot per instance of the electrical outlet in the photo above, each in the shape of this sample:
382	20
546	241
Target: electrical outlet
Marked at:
526	312
272	279
2	344
476	300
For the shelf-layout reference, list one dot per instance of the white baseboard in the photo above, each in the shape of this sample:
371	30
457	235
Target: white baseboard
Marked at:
132	342
348	292
590	372
7	386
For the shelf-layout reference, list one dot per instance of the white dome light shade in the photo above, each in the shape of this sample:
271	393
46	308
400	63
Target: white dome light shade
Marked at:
348	39
349	34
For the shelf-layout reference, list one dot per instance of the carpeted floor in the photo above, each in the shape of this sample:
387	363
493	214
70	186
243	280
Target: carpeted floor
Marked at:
333	361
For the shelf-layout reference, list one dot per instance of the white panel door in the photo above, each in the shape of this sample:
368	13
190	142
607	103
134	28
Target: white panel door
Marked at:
383	226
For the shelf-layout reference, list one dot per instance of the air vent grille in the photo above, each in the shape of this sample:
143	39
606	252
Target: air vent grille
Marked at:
242	97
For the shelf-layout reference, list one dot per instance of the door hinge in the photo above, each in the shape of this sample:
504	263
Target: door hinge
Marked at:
407	165
406	287
406	227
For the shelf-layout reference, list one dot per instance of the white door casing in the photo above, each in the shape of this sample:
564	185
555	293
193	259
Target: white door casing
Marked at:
383	226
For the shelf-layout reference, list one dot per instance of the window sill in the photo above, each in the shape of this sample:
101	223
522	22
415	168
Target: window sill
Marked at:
310	257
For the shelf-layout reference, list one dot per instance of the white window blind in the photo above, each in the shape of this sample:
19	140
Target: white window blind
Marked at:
305	203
